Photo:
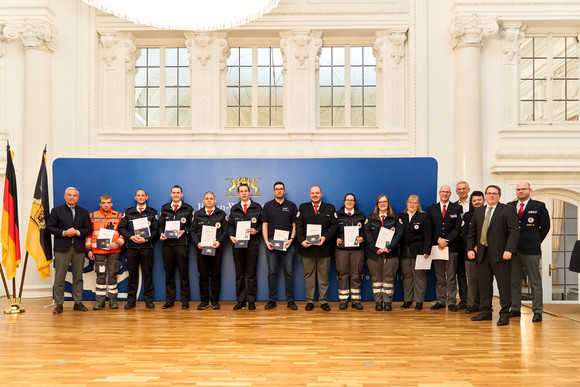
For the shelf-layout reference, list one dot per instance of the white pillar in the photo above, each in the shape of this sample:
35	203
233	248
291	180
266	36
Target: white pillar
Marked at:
512	35
467	33
301	50
36	37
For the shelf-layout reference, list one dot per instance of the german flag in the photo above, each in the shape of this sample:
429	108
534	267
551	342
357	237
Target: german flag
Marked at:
10	233
38	242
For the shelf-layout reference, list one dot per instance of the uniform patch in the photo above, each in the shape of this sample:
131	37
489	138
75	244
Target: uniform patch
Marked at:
226	218
335	215
156	216
392	229
532	212
298	214
462	223
123	215
366	221
183	220
149	223
254	220
401	221
530	220
416	227
453	216
359	224
218	225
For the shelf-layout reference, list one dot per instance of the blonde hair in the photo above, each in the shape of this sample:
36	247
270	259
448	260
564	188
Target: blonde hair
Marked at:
414	198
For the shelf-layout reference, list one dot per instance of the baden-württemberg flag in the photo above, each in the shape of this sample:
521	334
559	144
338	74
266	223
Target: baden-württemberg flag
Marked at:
10	234
38	242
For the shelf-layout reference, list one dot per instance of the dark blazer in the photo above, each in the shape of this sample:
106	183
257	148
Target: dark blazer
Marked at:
534	226
327	218
61	219
253	214
416	234
127	230
183	214
218	219
448	227
357	218
502	234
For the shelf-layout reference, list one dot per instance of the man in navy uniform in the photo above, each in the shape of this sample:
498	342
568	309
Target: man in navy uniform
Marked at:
534	226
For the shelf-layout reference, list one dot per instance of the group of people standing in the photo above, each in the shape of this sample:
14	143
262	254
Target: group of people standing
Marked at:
483	238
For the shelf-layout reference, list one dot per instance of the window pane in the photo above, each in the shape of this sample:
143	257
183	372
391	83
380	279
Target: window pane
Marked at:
559	47
370	118
170	116
559	89
526	48
183	57
141	77
369	57
185	116
171	96
540	68
559	68
571	47
338	76
572	68
540	111
140	97
540	89
153	95
370	76
325	116
356	76
142	60
278	76
527	111
356	116
232	116
171	76
232	96
338	56
559	112
153	76
572	111
277	96
277	116
233	59
370	96
245	56
140	117
245	116
263	96
153	57
356	56
526	90
184	76
526	69
153	115
233	76
263	116
245	96
338	96
540	47
325	56
245	76
184	96
338	116
356	96
263	56
324	76
263	76
325	96
277	56
171	57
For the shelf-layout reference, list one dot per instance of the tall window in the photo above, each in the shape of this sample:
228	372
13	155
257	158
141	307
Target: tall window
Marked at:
162	88
549	79
347	86
254	87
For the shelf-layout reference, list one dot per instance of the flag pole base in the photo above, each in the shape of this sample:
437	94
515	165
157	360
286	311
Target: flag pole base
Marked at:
14	309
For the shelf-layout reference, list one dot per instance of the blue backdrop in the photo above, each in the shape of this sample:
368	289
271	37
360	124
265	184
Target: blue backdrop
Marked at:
365	177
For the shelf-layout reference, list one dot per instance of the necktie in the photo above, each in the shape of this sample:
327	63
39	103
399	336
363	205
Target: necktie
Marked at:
316	209
383	220
175	207
349	213
521	210
141	210
485	226
209	212
245	208
72	209
444	210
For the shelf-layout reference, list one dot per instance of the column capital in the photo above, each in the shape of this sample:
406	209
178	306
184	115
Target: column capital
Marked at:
203	41
396	38
469	31
108	41
512	35
301	40
32	33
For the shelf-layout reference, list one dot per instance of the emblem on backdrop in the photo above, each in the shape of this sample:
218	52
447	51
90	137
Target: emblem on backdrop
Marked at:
232	192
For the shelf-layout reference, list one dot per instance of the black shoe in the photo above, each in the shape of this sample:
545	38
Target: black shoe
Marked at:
270	305
379	306
343	306
309	306
240	305
537	317
292	305
80	307
251	305
514	313
387	307
167	305
406	305
149	305
462	305
452	308
503	320
129	305
204	305
419	306
482	317
185	305
57	309
325	307
437	306
215	305
99	305
470	310
358	306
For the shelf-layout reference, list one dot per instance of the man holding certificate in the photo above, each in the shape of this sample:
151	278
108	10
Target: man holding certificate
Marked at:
139	228
279	230
445	218
175	222
104	247
349	253
243	229
208	235
316	227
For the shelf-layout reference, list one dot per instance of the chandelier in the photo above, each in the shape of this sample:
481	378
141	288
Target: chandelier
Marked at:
192	15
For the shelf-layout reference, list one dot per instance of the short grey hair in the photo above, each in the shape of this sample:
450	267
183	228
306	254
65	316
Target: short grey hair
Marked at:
71	188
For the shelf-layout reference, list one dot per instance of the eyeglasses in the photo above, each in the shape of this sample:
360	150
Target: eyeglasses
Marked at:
383	202
349	200
492	193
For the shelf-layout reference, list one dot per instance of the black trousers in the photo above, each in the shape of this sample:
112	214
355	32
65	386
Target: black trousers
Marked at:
246	262
486	270
176	256
145	258
210	267
461	272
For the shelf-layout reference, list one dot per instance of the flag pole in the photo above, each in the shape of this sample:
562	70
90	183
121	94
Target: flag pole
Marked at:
6	287
22	280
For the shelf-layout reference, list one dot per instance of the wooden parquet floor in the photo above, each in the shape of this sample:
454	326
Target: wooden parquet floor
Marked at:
280	347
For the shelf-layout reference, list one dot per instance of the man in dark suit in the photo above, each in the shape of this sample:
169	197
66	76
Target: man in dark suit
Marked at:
534	226
445	218
69	224
493	236
462	190
477	200
316	257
